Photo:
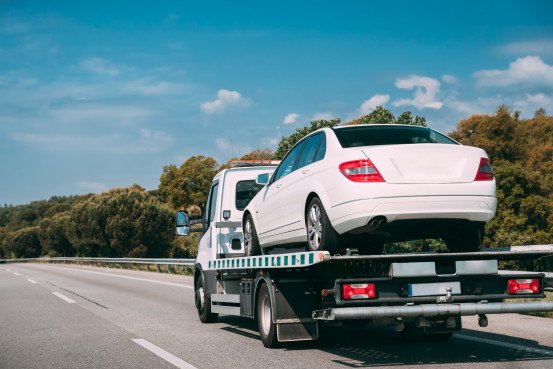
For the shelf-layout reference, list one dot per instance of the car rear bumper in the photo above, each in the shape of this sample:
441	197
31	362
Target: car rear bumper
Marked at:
357	213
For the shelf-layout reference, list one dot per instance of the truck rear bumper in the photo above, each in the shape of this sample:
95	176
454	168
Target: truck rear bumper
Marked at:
430	310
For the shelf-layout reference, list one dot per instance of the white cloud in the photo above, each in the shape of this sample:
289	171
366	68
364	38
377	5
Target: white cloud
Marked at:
149	88
290	118
100	66
223	144
542	47
448	78
529	104
89	186
225	98
323	116
376	100
270	142
425	88
529	71
145	142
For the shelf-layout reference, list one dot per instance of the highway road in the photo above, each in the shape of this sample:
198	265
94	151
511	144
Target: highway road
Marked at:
54	316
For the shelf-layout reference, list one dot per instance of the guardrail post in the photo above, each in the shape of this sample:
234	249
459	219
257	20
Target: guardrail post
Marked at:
157	268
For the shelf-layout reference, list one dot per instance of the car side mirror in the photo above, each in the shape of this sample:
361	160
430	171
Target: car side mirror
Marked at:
262	179
182	223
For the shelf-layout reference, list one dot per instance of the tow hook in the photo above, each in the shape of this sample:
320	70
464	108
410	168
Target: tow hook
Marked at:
446	298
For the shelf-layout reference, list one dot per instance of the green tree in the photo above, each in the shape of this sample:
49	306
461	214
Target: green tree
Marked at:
189	184
287	142
122	222
53	235
23	243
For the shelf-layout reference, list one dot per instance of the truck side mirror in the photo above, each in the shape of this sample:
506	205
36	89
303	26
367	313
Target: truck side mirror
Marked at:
262	179
182	223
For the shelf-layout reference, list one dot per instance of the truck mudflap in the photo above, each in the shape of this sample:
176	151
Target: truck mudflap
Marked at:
431	310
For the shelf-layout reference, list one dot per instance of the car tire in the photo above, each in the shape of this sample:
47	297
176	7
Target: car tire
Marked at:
203	303
251	242
267	328
466	239
321	236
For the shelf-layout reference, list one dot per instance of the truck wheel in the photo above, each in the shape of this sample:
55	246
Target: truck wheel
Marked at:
320	233
466	239
267	329
251	242
203	303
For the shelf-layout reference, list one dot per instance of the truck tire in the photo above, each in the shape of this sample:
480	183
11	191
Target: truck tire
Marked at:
467	239
251	242
321	236
203	302
267	329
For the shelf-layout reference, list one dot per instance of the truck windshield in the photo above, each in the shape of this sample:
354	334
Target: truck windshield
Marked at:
245	192
388	135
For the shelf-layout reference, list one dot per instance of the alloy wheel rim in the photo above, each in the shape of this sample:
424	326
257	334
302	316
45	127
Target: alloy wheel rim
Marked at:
314	227
248	238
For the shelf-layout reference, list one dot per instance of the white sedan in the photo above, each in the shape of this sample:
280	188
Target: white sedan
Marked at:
366	185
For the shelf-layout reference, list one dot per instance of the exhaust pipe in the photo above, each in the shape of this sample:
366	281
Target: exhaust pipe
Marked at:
378	221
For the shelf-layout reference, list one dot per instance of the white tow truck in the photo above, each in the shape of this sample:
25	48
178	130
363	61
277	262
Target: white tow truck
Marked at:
292	292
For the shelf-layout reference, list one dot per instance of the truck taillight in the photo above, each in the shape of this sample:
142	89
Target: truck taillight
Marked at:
485	170
361	171
519	286
358	291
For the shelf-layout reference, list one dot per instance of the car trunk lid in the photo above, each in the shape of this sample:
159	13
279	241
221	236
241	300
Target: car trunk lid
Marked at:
425	163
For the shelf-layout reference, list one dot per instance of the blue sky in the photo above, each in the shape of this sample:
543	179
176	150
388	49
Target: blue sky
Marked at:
101	94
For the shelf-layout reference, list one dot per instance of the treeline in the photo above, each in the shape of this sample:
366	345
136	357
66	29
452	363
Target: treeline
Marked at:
137	223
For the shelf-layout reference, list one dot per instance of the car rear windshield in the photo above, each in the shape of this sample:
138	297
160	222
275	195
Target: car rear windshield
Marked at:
388	135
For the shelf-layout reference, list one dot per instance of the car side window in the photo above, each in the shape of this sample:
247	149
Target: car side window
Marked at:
321	151
308	155
287	165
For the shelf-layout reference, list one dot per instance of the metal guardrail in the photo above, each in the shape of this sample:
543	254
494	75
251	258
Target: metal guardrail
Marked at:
113	261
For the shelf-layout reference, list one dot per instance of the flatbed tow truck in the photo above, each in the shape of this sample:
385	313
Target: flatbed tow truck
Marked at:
292	293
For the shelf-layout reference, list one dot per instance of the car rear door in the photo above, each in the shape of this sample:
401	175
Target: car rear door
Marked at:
299	185
271	217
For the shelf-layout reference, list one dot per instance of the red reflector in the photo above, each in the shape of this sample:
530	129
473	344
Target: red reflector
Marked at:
520	286
485	170
358	291
361	171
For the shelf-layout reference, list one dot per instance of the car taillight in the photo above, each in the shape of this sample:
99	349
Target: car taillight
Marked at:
358	291
360	171
485	171
518	286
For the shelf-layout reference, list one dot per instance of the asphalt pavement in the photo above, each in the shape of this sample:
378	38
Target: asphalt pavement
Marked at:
54	316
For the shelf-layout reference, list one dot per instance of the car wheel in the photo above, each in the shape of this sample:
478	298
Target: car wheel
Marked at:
267	329
251	242
320	233
465	239
203	303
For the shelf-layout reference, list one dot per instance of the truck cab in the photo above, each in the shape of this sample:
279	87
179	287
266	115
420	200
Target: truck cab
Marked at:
230	192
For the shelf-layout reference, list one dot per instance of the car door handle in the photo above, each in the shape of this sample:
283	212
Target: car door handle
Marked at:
305	171
279	185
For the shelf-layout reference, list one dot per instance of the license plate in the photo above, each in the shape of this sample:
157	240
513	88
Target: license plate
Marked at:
433	289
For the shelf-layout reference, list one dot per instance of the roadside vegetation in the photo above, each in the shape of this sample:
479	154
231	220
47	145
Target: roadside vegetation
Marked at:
133	222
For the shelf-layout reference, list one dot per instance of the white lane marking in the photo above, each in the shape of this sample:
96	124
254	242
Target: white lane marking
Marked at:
32	281
503	344
179	363
64	298
17	274
7	270
127	277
